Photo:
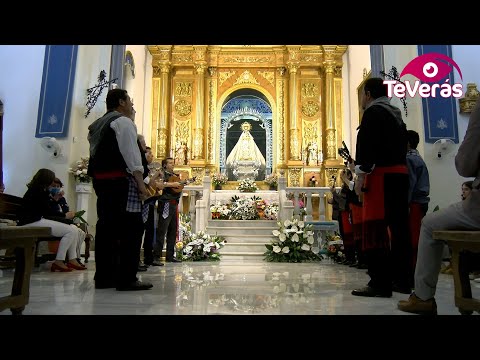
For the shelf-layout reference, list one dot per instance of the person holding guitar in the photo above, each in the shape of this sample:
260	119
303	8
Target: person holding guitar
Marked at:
168	212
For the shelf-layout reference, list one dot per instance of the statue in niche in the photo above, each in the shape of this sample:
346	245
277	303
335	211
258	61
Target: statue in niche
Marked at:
181	153
312	154
245	159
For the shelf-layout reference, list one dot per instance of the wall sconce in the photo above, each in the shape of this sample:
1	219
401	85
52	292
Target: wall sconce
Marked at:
471	96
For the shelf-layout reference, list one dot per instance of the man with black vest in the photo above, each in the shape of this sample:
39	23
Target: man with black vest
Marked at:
114	158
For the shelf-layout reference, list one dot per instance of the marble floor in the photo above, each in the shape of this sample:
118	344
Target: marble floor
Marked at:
228	287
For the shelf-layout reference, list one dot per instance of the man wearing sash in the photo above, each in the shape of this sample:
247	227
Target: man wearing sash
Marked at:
382	181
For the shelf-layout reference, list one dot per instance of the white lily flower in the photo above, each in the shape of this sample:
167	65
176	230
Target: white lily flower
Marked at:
276	249
282	237
286	250
310	240
295	238
275	232
305	247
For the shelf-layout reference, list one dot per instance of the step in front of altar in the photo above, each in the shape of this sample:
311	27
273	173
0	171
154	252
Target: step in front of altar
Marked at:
245	239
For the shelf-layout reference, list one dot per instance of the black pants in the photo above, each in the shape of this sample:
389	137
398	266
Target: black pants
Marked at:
393	265
115	245
166	228
149	235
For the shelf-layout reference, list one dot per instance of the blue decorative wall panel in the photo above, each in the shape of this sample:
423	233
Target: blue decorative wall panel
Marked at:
439	113
56	92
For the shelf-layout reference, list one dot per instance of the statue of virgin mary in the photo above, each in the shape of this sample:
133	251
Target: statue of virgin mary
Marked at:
245	154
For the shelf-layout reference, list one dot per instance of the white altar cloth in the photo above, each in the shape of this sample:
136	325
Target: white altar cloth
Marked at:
224	196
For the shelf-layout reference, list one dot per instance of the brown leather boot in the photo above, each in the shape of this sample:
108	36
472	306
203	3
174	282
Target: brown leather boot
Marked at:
418	306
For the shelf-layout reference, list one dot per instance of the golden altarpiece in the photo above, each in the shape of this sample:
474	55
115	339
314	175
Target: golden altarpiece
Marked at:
301	84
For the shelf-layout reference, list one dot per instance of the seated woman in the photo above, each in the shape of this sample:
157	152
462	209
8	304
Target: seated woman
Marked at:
34	212
59	208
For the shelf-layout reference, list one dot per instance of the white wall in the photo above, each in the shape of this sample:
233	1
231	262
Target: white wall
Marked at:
21	69
444	180
356	59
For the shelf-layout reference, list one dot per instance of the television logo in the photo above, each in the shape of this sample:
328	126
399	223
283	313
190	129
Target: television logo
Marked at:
429	68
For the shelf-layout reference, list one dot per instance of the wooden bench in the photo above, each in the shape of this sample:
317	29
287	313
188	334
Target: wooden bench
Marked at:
9	207
23	240
460	242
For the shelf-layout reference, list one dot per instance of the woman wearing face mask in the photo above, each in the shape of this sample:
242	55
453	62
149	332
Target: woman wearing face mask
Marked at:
36	209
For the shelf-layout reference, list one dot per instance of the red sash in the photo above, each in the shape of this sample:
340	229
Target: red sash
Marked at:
375	232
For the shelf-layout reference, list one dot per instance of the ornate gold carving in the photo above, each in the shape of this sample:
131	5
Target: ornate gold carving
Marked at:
310	90
246	78
337	71
183	58
309	58
294	145
164	68
293	68
471	96
211	118
294	176
198	173
331	144
182	131
212	70
281	70
268	75
310	132
198	144
183	108
162	143
331	176
156	71
183	89
281	117
247	59
310	108
225	75
200	68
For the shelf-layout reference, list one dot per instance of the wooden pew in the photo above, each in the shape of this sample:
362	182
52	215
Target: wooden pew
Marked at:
23	240
460	242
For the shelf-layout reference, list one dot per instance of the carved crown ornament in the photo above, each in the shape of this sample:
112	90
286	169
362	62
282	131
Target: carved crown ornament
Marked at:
468	102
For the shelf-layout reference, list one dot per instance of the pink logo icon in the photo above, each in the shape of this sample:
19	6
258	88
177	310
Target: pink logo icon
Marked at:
428	67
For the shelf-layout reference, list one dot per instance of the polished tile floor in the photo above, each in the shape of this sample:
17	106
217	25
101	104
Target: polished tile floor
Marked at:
241	287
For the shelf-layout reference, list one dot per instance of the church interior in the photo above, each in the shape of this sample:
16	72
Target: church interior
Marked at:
243	111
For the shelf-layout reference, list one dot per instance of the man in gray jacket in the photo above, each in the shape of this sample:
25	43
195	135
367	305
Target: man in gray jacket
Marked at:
464	215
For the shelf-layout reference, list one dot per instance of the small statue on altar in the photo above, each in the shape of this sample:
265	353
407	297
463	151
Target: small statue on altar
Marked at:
181	154
312	154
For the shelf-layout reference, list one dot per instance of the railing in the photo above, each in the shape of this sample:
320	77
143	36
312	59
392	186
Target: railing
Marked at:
199	208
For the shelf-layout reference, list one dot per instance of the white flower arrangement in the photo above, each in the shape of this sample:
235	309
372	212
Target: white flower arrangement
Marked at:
247	185
219	179
80	169
243	209
294	242
272	179
200	246
271	211
220	211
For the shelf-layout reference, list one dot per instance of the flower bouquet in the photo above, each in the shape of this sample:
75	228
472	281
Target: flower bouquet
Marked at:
247	185
243	209
272	180
333	247
200	247
219	179
293	243
80	170
220	211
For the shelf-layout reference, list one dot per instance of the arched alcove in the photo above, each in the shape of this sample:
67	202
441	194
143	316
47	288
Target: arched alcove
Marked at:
246	105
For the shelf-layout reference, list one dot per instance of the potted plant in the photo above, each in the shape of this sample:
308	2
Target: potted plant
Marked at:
218	180
272	181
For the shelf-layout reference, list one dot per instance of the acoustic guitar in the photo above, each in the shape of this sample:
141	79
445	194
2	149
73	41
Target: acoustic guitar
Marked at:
176	178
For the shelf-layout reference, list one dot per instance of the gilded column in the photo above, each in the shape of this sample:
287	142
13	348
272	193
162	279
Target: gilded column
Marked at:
162	138
200	66
212	91
281	116
330	132
293	65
